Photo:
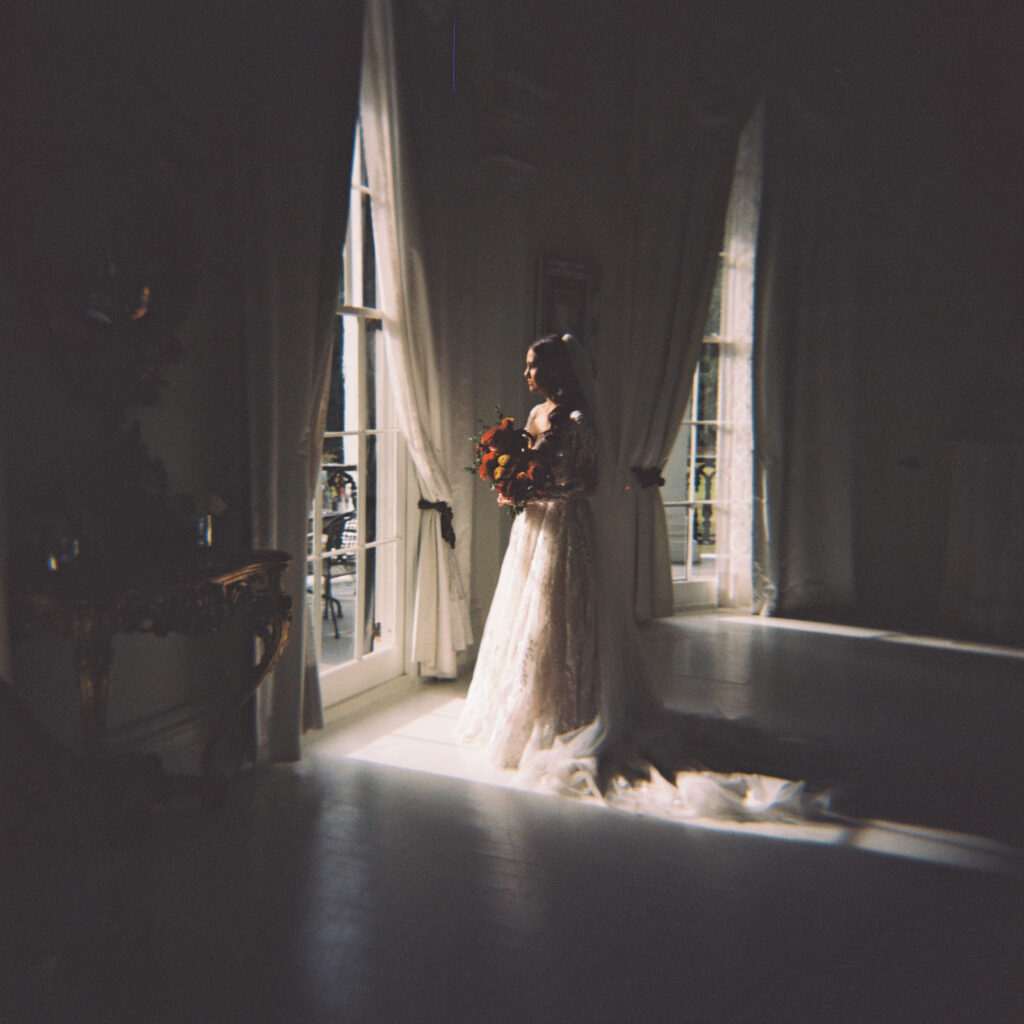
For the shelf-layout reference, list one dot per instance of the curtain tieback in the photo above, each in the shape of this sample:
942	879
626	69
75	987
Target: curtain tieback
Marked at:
447	530
649	476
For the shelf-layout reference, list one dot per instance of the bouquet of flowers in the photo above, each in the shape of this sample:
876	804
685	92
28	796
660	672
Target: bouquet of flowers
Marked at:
502	456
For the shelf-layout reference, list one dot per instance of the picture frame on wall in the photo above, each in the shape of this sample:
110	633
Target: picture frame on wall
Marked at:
566	292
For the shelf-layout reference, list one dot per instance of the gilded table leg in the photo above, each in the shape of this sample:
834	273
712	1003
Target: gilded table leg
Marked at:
92	656
272	631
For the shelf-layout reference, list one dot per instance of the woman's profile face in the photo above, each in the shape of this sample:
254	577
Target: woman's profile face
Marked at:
537	380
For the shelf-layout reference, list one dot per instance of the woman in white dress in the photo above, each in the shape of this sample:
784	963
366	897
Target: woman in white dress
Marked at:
536	672
559	690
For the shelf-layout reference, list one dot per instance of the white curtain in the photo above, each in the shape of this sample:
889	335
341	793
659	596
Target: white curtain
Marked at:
295	202
690	109
805	363
735	473
441	626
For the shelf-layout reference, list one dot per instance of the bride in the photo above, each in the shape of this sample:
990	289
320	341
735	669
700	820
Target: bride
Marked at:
536	671
559	690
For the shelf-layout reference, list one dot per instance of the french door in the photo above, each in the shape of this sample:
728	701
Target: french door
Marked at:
356	553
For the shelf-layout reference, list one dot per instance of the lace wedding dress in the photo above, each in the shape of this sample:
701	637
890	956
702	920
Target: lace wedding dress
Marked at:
560	693
536	672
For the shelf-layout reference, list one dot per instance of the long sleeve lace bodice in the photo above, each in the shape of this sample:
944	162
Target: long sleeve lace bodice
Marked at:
571	450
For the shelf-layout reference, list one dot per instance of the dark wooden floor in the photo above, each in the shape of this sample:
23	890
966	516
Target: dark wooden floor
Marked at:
386	879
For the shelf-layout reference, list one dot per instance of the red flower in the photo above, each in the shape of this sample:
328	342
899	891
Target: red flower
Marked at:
503	438
488	464
502	456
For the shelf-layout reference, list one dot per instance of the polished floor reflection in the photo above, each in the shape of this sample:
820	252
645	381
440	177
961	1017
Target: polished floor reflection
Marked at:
354	888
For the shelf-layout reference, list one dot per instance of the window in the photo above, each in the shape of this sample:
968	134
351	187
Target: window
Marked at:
356	557
692	493
709	477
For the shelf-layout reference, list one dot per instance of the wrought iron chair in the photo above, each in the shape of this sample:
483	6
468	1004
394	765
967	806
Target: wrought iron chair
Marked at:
339	560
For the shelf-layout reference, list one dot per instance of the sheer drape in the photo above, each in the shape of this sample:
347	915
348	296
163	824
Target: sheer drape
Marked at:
441	624
297	203
689	111
734	475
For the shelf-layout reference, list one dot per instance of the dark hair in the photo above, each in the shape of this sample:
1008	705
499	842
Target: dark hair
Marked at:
552	352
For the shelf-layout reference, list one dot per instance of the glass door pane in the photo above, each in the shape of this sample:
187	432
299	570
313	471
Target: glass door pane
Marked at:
360	587
357	553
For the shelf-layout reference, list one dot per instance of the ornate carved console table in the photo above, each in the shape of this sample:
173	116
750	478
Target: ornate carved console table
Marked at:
193	596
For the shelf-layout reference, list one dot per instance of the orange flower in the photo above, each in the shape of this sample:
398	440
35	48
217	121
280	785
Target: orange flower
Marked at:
488	464
503	457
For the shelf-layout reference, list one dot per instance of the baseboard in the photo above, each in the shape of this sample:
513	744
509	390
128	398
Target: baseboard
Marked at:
376	695
688	594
